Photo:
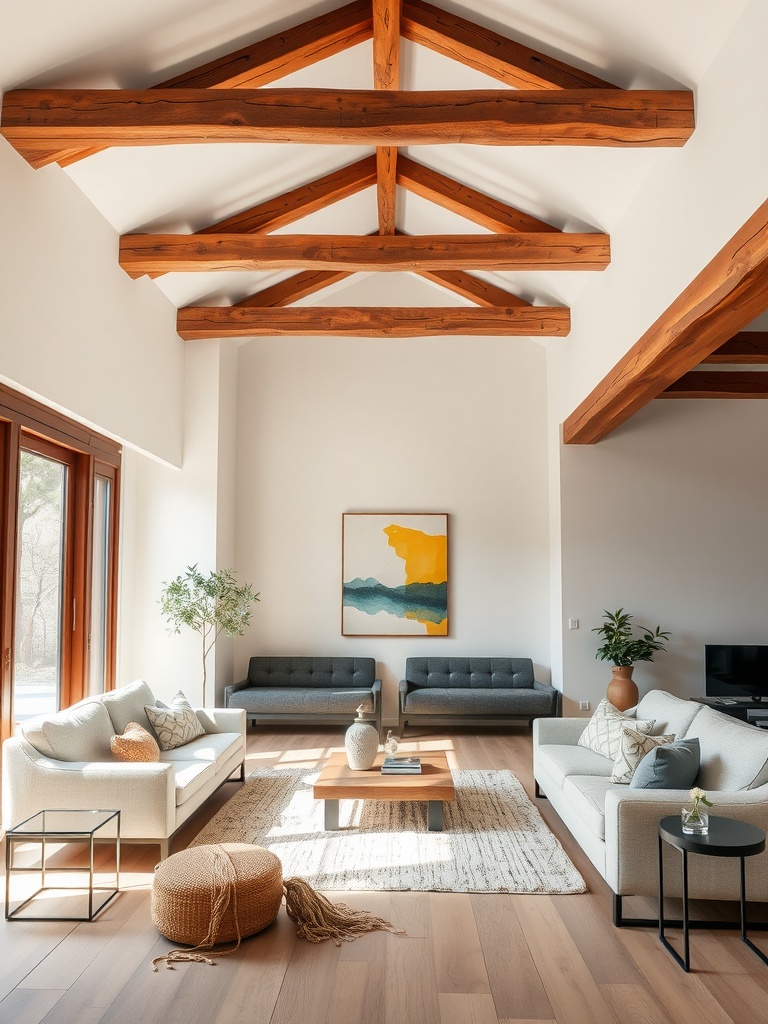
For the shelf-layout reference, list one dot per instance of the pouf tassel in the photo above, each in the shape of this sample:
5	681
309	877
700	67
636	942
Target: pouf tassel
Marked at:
318	919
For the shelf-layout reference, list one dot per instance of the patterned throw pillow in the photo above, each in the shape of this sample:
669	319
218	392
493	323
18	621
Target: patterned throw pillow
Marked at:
135	744
603	732
174	725
633	747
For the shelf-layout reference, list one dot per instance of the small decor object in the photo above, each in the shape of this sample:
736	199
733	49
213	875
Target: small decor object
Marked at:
394	574
624	649
401	766
361	742
695	819
210	605
391	744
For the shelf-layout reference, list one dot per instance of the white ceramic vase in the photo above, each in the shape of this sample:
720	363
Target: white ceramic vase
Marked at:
361	742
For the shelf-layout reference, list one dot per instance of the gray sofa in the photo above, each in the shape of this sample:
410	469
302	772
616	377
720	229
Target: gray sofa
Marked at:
617	825
473	691
308	689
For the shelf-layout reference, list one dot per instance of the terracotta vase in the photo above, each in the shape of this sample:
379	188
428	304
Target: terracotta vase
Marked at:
622	692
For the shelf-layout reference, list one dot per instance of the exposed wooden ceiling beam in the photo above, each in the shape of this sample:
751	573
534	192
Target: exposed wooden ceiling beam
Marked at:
293	288
475	288
35	121
719	384
299	202
728	294
463	200
195	322
744	347
489	52
386	75
148	254
268	60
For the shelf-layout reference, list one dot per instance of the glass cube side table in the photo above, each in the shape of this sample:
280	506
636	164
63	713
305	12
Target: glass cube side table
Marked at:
55	827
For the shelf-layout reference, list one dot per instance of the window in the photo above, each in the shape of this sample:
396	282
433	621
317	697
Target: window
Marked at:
58	556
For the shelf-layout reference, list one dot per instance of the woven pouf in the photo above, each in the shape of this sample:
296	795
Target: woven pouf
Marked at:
212	894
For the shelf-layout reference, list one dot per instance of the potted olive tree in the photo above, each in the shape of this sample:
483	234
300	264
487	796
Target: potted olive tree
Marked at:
623	648
210	604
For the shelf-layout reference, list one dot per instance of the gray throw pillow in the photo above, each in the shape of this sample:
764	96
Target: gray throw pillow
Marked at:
672	766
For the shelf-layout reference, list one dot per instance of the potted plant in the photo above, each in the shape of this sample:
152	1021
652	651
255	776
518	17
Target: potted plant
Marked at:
623	648
210	604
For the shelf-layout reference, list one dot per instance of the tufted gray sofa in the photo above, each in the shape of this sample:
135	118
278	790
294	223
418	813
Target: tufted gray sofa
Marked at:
307	689
473	691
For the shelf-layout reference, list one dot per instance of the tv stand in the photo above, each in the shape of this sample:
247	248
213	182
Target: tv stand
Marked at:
737	710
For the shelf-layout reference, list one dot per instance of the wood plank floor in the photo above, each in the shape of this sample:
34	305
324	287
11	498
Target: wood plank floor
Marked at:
466	959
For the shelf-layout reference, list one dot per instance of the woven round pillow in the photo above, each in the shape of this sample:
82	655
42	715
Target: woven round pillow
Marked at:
219	893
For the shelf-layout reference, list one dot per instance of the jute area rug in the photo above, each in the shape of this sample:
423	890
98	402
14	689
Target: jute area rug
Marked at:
493	838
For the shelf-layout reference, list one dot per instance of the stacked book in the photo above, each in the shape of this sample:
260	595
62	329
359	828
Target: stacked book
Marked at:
401	766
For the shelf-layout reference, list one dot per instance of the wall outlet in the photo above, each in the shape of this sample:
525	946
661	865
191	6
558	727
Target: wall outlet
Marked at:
573	623
583	705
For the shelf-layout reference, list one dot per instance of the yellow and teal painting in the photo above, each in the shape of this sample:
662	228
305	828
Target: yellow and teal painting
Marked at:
394	574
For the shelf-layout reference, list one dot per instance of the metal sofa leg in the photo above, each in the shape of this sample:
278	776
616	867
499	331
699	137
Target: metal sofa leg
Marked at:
618	920
540	794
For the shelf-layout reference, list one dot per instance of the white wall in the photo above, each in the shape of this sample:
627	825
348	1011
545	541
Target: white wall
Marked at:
666	518
456	425
75	331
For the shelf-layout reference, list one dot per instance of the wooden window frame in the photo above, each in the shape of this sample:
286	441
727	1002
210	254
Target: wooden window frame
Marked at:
27	424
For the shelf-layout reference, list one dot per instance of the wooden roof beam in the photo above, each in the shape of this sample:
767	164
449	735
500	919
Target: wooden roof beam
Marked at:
195	322
386	75
465	201
490	53
150	254
728	294
36	121
719	384
267	60
744	347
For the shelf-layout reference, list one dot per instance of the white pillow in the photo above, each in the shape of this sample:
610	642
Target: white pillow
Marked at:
175	725
603	731
633	747
79	733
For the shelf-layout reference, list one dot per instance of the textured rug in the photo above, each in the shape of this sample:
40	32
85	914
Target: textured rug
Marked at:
493	838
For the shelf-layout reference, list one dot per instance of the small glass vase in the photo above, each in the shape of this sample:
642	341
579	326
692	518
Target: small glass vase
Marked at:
695	821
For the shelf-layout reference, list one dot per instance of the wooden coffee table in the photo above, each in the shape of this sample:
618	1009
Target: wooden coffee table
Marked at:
337	781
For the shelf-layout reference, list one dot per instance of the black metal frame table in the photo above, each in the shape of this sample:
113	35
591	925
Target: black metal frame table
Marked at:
62	826
727	837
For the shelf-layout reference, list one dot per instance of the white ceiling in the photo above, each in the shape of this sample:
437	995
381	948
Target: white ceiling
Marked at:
93	43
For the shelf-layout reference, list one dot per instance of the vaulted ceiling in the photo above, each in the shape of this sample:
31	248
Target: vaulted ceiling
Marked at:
486	160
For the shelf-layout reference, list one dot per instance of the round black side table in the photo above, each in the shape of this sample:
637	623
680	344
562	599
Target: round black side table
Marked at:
726	838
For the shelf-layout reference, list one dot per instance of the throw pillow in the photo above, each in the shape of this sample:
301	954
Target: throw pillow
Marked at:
174	725
135	744
633	747
670	767
603	731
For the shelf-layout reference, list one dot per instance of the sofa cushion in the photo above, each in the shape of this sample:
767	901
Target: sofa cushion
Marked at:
134	744
303	671
671	714
457	701
207	749
734	755
559	760
633	747
126	704
603	731
190	778
175	725
80	733
468	673
297	700
587	792
672	766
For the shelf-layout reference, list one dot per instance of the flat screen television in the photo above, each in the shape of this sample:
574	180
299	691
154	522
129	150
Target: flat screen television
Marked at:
737	670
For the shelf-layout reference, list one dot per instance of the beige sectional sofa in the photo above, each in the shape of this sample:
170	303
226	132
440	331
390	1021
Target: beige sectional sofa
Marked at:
64	761
617	826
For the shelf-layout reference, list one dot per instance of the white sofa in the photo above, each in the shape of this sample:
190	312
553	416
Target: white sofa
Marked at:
64	761
617	826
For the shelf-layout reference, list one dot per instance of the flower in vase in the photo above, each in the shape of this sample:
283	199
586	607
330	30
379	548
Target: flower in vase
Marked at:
698	796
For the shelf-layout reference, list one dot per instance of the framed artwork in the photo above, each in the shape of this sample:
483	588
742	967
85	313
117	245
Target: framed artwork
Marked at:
394	572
